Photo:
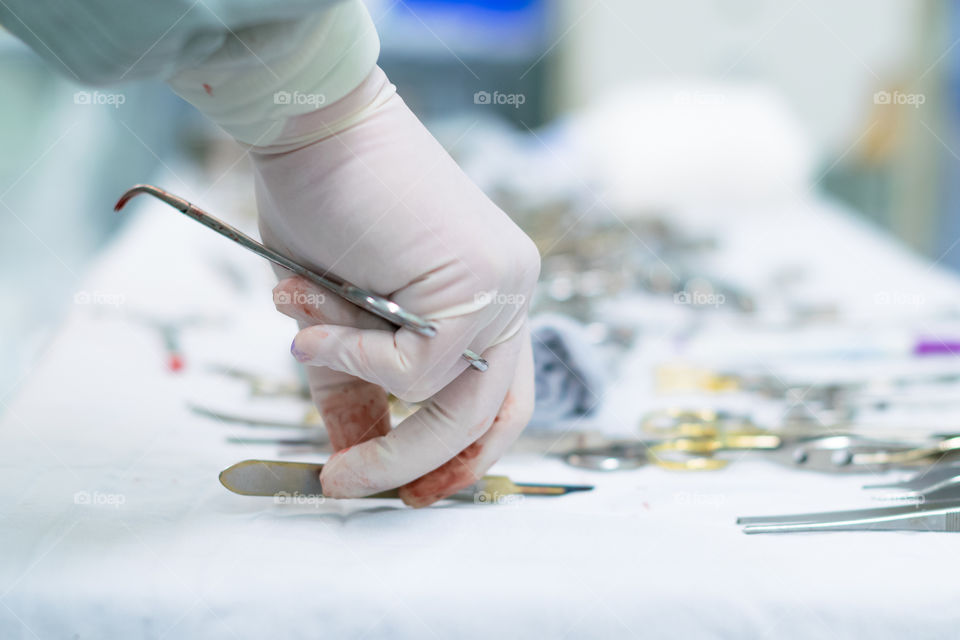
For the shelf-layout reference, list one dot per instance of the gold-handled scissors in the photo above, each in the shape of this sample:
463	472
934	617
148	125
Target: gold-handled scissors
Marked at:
697	454
682	440
695	423
692	437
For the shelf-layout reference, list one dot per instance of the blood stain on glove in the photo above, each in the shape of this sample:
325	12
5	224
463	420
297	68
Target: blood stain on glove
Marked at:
452	476
355	413
304	296
505	408
298	299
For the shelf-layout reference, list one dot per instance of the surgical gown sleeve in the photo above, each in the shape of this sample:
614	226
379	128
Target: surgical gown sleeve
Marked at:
249	65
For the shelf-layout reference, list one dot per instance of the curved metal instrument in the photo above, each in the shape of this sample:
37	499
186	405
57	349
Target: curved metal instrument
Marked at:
375	304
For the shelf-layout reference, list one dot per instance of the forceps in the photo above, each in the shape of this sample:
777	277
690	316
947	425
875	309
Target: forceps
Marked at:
933	516
937	483
375	304
935	494
263	386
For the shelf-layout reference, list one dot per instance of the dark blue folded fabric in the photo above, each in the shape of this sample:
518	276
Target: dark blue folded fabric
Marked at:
569	372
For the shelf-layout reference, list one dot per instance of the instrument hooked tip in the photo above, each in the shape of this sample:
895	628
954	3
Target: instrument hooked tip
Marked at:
174	201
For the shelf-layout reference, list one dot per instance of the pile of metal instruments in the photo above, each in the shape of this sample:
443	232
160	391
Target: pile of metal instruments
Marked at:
705	440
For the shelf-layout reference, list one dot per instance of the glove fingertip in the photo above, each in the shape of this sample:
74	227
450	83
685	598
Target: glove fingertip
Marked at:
343	475
306	343
415	501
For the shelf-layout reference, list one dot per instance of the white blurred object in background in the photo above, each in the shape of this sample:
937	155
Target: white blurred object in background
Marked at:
688	145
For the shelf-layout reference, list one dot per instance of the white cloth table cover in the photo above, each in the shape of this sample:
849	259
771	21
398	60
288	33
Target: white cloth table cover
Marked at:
115	525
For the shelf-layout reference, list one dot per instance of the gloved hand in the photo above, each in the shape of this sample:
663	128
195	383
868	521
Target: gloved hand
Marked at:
361	188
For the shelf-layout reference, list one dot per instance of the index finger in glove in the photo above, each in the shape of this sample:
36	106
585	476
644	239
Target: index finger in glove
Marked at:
353	410
310	304
350	342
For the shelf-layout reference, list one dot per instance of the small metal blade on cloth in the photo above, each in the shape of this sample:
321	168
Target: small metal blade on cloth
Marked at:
277	478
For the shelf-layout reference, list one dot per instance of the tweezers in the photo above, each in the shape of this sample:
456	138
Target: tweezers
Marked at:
375	304
930	516
250	421
936	483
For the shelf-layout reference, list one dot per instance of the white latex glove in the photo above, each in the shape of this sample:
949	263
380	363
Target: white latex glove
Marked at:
380	203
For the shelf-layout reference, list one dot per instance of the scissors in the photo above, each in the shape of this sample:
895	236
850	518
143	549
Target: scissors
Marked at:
677	454
688	441
690	438
375	304
696	423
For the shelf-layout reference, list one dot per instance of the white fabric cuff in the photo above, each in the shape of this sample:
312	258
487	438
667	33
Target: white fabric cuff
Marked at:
264	75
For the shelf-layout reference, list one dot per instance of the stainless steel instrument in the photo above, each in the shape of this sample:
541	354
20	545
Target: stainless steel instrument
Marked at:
375	304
